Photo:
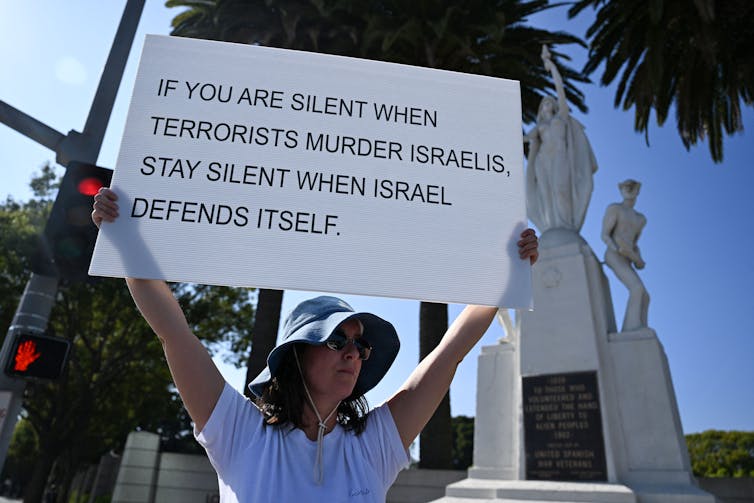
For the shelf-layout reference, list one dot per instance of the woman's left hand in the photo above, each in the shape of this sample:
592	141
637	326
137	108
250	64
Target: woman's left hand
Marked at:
528	246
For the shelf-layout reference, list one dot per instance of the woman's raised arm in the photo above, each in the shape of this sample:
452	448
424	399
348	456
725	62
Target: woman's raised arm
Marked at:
194	373
417	399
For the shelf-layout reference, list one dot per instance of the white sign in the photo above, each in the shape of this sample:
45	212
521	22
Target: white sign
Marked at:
252	166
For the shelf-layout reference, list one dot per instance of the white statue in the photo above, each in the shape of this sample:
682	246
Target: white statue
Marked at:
560	163
621	228
512	329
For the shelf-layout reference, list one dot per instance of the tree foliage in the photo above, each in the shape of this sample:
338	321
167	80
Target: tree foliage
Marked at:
694	57
715	453
463	442
20	225
487	37
116	379
19	461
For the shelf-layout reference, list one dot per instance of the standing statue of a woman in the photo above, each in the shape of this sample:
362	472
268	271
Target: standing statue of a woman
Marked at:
560	163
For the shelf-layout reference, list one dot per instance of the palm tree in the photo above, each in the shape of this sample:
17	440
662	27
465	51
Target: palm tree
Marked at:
264	332
695	57
436	439
488	37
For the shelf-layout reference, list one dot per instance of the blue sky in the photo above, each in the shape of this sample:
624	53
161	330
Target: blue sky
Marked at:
697	243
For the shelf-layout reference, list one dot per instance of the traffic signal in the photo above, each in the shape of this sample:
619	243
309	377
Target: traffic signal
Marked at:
37	355
70	233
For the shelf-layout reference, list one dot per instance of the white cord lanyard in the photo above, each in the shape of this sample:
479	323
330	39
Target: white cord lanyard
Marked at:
319	472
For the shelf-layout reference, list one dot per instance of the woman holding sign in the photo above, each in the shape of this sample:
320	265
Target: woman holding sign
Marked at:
308	435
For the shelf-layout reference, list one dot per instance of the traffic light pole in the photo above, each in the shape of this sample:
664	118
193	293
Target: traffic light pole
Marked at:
34	308
31	315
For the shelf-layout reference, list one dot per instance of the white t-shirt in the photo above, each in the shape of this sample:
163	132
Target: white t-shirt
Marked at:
257	463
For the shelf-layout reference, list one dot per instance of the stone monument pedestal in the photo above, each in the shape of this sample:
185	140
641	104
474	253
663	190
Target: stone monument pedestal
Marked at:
571	411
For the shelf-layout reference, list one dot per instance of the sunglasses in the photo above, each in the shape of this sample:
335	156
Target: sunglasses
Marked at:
338	340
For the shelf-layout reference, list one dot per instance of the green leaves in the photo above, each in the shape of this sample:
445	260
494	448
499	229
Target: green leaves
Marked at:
220	316
463	442
117	379
716	453
479	36
690	57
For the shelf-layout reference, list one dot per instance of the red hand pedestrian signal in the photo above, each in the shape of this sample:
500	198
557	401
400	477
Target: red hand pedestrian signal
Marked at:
26	354
37	355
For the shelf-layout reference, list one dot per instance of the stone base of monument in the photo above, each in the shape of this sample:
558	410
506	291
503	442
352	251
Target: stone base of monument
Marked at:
515	491
526	491
569	410
672	494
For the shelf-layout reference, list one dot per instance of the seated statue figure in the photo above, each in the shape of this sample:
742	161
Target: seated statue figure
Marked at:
621	228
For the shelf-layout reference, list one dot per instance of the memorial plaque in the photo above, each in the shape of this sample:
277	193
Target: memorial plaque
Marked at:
563	427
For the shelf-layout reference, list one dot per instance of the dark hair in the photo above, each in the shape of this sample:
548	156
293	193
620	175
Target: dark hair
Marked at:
283	399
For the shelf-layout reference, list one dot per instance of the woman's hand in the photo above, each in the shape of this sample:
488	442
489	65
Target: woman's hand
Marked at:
528	246
105	207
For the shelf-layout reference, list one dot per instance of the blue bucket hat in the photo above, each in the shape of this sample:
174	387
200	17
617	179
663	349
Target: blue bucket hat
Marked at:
314	320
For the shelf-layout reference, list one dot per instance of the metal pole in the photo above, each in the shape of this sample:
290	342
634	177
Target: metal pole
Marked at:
102	105
32	314
85	146
29	126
